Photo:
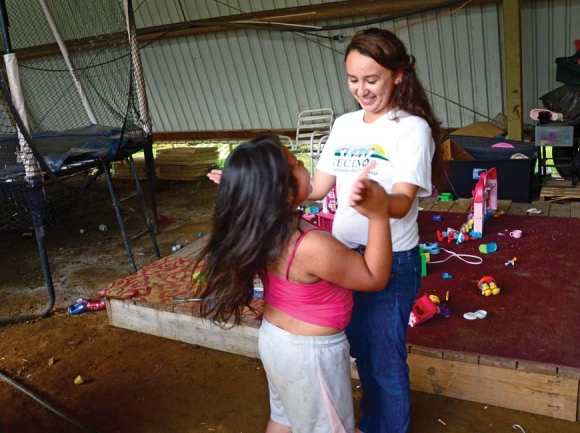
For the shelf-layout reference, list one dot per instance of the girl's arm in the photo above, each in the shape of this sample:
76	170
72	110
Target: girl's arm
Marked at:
320	185
326	258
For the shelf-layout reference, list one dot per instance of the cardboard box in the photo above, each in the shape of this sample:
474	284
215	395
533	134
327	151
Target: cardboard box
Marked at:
454	152
480	129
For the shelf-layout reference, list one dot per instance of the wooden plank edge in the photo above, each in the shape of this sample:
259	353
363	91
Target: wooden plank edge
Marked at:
242	340
542	394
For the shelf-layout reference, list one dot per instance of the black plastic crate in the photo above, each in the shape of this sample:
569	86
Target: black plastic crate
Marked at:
515	176
566	72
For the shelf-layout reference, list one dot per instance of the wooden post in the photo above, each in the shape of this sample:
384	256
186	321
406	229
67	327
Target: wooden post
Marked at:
513	67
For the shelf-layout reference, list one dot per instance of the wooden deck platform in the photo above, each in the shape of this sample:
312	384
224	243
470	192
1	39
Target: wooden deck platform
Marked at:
549	390
552	208
541	389
560	189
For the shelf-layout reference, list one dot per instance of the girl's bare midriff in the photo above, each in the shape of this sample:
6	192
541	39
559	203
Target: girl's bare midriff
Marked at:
288	323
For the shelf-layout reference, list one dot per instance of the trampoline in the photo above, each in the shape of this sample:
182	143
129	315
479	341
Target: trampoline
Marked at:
72	101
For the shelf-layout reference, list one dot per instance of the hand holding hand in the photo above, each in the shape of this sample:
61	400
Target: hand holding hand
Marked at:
368	197
215	175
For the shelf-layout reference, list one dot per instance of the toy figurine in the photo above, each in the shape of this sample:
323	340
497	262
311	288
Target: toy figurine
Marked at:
488	286
511	262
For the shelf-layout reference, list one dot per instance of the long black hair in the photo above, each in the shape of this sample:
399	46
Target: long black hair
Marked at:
254	216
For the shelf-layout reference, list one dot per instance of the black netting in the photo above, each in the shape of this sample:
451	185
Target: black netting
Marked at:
62	135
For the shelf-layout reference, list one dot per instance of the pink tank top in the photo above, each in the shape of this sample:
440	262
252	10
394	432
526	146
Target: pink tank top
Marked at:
322	303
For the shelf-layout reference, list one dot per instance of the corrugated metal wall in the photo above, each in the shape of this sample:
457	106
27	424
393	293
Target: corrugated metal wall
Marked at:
247	79
549	28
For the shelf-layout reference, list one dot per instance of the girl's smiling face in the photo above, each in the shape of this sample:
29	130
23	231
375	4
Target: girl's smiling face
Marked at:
371	84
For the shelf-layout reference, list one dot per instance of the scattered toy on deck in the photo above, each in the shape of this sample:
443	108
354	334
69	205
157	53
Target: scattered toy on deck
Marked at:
453	235
465	233
445	196
488	286
484	201
516	234
423	309
511	262
431	247
479	314
426	307
499	213
443	308
488	248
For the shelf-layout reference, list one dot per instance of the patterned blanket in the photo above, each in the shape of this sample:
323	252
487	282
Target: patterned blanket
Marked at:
159	283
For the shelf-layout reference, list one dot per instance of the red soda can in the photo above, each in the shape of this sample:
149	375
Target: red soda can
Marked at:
96	305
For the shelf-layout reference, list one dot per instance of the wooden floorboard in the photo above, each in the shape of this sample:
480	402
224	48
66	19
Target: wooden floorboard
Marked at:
427	203
554	208
461	205
518	209
504	205
560	189
442	206
542	206
560	209
575	209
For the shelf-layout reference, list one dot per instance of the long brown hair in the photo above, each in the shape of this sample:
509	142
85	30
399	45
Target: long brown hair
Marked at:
388	50
253	219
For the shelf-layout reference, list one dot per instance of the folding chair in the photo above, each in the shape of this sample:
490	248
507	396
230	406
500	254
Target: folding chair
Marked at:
312	131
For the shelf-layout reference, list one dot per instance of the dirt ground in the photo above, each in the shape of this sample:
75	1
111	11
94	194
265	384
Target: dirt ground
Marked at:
136	382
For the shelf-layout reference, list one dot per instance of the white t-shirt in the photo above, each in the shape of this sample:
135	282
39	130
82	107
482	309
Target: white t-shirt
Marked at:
403	150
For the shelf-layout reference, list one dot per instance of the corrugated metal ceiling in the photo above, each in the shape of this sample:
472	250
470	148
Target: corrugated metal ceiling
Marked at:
260	79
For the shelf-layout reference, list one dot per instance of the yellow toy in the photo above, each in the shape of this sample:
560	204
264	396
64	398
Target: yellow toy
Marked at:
488	286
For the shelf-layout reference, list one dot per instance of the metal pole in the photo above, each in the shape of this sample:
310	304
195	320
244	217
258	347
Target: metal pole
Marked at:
5	24
65	55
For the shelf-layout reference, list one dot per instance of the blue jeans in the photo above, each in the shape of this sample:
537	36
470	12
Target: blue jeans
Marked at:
377	335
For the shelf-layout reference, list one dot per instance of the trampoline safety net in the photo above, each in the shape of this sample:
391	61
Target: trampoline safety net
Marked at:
72	93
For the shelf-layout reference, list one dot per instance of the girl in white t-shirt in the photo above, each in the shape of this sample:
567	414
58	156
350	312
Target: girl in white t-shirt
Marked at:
396	129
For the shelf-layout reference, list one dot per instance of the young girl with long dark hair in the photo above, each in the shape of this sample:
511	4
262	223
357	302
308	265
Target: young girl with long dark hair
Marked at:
307	275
